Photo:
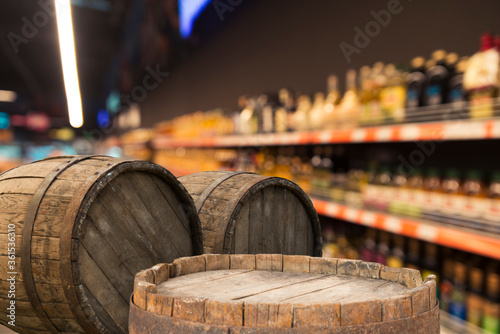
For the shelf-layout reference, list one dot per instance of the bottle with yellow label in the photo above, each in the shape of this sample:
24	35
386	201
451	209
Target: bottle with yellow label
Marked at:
475	298
474	199
452	203
284	112
491	316
433	197
393	95
397	258
301	115
413	196
317	115
365	95
348	109
331	103
492	212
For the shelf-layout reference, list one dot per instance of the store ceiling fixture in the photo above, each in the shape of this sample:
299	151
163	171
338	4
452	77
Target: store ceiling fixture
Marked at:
7	96
68	59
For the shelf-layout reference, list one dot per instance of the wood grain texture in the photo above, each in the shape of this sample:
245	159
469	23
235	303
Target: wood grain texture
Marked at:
305	297
134	215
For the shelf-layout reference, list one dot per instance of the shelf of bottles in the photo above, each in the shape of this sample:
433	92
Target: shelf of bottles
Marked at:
477	243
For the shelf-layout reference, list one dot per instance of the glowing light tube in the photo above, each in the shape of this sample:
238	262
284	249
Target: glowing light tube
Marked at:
68	59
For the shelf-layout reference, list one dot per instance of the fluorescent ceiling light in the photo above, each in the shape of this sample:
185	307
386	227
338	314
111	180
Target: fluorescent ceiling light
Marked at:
7	96
68	59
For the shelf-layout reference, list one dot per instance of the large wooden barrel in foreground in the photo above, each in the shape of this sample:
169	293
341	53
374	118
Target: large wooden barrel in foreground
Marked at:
80	228
271	293
246	213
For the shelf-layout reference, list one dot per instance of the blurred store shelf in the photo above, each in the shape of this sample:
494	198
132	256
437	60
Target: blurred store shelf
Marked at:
469	240
449	130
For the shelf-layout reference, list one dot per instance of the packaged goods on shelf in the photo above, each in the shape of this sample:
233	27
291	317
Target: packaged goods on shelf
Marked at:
468	285
444	87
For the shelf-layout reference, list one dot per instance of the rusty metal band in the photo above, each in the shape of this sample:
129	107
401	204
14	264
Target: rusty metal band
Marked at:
90	322
224	222
211	187
29	223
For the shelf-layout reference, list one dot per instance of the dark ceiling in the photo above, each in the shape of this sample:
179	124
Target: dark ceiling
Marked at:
30	63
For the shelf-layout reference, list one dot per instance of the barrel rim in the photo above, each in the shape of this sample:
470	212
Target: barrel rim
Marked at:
420	294
82	201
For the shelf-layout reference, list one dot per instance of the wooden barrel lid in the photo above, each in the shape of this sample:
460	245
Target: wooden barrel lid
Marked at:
285	291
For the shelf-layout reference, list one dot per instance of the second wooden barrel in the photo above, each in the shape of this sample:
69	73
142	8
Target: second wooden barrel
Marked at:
246	213
78	229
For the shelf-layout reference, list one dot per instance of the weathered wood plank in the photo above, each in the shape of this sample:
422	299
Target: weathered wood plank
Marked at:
172	199
272	262
319	315
289	224
165	235
103	290
270	236
122	239
301	228
242	231
21	185
224	313
255	236
113	223
107	259
196	279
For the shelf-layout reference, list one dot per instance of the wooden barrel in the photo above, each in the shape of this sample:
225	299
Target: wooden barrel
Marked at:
272	293
80	228
246	213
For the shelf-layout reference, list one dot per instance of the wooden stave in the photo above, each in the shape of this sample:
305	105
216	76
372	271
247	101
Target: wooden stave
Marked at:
216	178
104	175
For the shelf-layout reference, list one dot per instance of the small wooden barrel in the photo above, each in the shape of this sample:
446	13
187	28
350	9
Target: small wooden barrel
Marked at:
246	213
271	293
80	228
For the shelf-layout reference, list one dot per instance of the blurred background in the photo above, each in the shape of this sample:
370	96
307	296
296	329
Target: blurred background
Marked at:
385	112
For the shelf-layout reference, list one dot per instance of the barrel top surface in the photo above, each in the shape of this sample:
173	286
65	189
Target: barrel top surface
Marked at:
279	287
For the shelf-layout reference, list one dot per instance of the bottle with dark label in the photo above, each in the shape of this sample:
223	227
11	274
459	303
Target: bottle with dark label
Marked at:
446	284
415	81
413	254
268	104
456	92
458	306
475	299
383	248
369	249
437	75
430	263
491	317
